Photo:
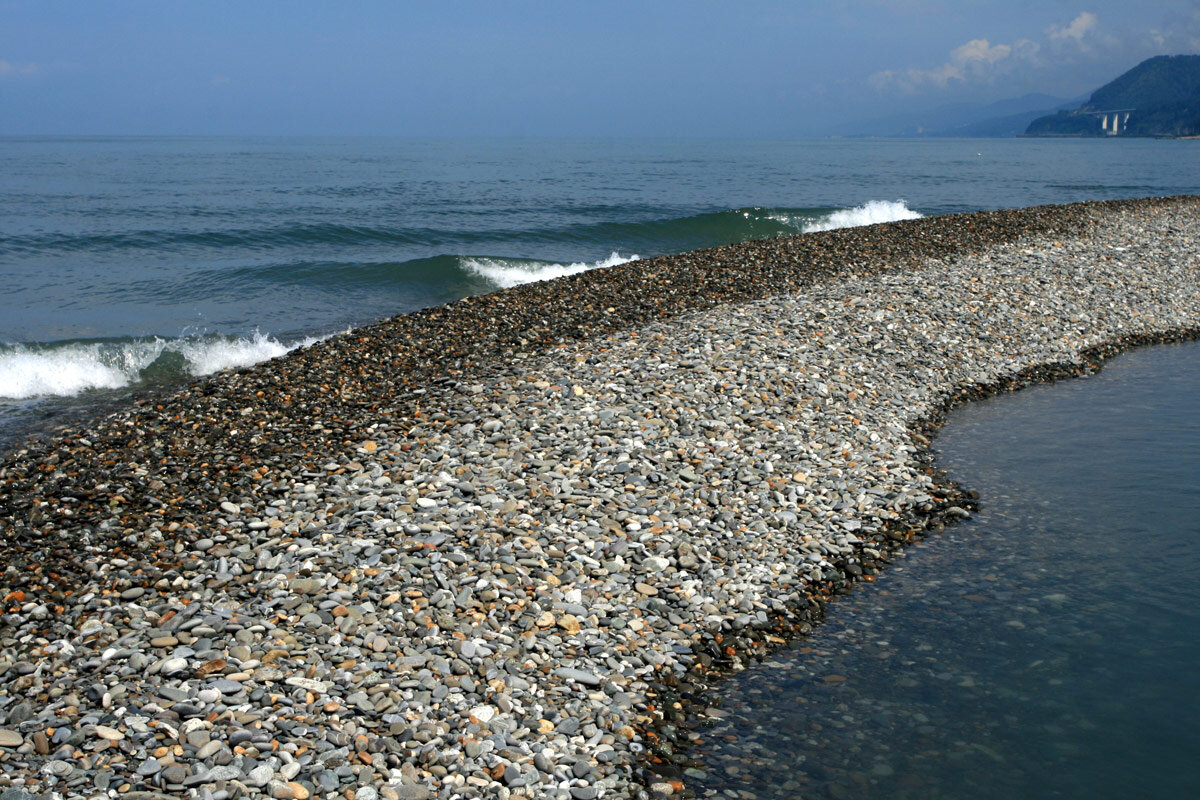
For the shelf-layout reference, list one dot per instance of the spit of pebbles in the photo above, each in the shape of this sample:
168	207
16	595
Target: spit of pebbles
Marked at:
492	549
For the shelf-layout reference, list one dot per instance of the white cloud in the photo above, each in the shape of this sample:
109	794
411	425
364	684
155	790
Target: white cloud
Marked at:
1075	54
980	50
1178	33
1075	31
980	61
976	60
8	68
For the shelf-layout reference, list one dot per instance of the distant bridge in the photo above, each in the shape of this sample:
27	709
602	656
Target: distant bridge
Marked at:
1112	121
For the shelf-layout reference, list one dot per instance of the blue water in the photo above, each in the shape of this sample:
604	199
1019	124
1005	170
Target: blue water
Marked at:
1046	648
129	262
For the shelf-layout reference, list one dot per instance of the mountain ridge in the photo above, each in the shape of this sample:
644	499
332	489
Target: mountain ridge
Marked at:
1160	97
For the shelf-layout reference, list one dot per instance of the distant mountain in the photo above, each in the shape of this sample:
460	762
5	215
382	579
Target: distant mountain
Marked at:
1158	97
1003	118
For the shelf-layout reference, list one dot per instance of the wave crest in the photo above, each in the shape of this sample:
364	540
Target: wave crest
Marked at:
870	213
508	272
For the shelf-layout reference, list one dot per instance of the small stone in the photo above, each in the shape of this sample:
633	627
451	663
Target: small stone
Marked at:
150	766
111	734
483	714
260	776
21	712
308	683
11	739
225	773
578	676
209	749
174	693
175	774
173	666
412	792
209	667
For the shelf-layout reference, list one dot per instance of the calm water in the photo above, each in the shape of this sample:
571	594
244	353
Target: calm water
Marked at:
1046	648
136	261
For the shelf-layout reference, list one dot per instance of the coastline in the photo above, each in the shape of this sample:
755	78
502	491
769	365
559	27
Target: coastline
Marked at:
672	602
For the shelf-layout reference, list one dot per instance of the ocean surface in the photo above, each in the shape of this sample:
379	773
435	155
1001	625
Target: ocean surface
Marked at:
139	262
1046	648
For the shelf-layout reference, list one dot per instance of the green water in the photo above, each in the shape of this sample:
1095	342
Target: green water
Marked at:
1049	647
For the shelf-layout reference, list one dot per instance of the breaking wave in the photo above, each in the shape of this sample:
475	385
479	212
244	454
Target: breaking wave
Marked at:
508	272
869	213
63	369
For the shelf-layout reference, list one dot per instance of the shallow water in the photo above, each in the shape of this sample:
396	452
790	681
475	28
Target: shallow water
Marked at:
1046	648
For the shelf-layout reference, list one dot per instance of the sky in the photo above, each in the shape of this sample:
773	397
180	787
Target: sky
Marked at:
703	68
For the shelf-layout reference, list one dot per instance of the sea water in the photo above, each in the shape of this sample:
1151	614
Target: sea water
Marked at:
1046	648
135	262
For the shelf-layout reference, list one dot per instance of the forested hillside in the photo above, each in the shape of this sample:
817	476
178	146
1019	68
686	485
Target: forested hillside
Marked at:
1159	97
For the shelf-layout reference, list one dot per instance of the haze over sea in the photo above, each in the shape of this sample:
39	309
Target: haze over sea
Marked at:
137	262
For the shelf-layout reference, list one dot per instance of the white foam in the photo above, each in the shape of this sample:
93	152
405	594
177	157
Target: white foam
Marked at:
870	213
206	356
62	371
506	273
29	371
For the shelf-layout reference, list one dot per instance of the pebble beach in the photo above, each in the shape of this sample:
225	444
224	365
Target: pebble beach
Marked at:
499	548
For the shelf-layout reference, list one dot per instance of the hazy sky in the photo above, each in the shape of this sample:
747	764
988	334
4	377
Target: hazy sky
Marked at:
517	67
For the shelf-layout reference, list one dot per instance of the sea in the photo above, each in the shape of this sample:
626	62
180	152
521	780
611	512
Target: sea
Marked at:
132	263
